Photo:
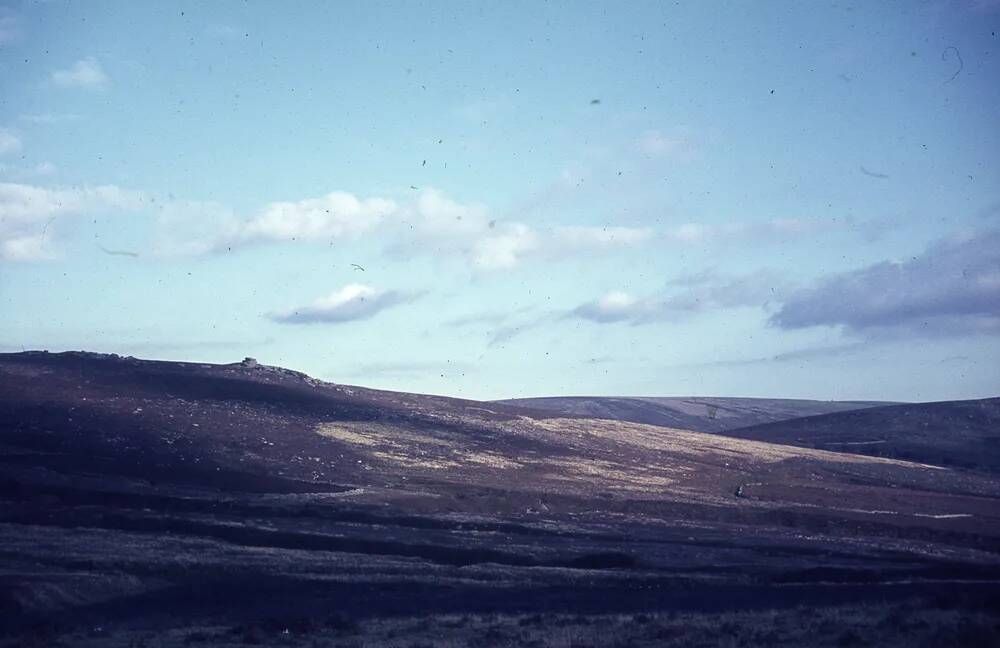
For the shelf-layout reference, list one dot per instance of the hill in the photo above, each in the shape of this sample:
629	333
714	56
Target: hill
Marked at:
240	503
695	413
963	434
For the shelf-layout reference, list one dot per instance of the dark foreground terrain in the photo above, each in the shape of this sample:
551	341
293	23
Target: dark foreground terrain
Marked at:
159	504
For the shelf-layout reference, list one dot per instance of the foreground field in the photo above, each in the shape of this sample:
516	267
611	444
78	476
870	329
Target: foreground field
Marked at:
148	503
910	624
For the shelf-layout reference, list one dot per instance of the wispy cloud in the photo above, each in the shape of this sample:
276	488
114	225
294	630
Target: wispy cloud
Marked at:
10	25
17	172
684	296
40	169
828	351
504	333
225	32
28	213
492	318
50	118
984	6
482	110
86	74
804	354
351	302
502	326
9	142
194	228
588	238
678	144
776	228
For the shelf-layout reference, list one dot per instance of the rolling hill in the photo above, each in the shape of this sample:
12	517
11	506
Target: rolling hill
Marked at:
695	413
258	505
962	434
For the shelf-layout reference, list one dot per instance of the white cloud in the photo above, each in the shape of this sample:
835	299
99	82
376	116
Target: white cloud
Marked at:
333	216
86	73
27	213
618	306
432	224
9	142
27	203
50	118
615	306
351	302
689	232
195	228
24	248
437	217
436	224
506	248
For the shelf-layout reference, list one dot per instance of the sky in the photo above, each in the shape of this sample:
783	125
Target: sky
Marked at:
492	200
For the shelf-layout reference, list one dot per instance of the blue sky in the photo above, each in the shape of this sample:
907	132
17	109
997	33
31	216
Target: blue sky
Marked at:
512	199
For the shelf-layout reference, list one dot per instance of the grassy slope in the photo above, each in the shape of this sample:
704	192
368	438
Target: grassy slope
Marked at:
694	413
142	495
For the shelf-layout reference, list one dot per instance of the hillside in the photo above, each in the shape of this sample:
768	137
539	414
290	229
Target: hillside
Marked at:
695	413
963	434
140	495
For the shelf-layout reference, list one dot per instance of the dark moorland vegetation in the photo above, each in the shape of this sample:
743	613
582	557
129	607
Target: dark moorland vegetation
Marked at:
167	504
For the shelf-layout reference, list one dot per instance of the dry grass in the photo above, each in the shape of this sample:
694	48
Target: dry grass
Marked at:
377	434
613	474
491	459
698	444
596	455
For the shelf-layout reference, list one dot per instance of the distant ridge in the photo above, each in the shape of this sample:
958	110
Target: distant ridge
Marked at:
701	414
963	434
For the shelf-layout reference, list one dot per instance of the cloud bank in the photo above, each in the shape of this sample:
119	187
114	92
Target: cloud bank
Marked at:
953	287
431	224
